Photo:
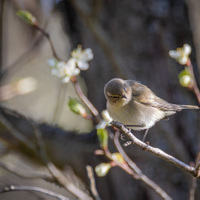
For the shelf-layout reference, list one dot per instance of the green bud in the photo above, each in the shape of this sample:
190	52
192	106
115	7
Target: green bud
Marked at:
27	17
103	137
117	157
76	107
102	169
184	78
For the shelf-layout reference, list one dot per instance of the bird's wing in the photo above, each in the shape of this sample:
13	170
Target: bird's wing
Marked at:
144	95
161	104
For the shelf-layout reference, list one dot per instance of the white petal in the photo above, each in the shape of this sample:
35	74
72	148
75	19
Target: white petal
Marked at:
101	125
52	62
106	116
66	79
83	65
187	49
76	52
71	63
183	60
55	72
87	54
76	72
174	54
61	65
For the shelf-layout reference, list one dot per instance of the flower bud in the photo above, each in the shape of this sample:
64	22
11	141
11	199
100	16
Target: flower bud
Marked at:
118	157
103	137
76	107
181	55
102	169
184	78
27	17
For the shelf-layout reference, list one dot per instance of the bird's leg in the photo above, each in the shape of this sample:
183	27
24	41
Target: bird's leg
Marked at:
145	134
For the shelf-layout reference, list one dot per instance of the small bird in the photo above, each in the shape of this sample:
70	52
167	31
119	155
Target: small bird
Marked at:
136	106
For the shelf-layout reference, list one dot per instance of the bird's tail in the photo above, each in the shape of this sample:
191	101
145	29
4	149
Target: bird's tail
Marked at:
189	107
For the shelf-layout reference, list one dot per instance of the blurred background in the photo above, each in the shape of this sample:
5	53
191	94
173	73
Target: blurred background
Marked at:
130	39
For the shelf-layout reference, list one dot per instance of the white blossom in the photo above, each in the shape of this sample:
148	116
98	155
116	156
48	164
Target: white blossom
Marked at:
82	57
181	54
106	116
78	61
105	121
64	70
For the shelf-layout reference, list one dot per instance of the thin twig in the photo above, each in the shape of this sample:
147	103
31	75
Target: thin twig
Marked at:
24	174
137	170
93	188
62	180
59	177
193	188
13	188
124	155
156	151
47	35
196	91
194	84
85	99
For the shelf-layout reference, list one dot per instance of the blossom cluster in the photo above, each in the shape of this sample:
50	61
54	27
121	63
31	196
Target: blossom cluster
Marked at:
78	61
181	55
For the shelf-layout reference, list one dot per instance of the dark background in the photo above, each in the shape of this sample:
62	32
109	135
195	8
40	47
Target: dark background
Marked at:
131	40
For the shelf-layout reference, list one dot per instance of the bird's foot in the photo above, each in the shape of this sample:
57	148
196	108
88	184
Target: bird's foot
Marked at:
129	142
122	137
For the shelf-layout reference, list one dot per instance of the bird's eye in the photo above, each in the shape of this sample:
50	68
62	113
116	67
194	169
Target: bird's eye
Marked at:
115	97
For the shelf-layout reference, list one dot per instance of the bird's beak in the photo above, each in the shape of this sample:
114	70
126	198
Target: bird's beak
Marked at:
124	96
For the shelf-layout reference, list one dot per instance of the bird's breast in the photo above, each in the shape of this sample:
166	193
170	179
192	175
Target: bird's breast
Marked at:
135	114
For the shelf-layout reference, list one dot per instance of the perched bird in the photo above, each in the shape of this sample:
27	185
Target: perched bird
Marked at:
135	105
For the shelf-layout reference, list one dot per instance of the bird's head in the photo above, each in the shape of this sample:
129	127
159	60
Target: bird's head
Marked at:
117	92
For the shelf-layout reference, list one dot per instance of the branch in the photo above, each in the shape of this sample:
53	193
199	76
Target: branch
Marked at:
194	84
58	176
196	91
62	180
28	175
12	188
156	151
47	35
137	170
85	99
93	188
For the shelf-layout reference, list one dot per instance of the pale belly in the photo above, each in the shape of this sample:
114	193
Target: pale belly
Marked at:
140	116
